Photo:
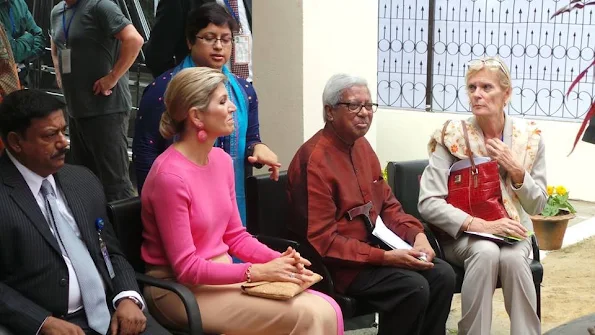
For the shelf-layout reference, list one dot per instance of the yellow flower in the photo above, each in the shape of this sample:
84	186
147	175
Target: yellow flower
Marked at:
561	190
550	190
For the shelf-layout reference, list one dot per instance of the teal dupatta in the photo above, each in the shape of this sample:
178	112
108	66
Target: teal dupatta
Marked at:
234	144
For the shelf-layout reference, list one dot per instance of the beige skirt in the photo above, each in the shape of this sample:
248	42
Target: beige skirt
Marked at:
225	309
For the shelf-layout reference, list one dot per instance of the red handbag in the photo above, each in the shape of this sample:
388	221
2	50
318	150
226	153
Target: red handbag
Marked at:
476	189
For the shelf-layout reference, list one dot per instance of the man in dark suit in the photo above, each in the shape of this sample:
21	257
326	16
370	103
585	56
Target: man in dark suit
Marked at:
56	276
167	45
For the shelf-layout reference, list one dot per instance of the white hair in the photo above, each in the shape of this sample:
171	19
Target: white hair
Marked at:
335	86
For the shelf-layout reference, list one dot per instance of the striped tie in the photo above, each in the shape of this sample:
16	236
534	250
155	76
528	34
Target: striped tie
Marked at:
240	70
94	303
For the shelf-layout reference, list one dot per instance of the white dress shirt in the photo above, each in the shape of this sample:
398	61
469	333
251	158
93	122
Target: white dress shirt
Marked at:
34	181
245	28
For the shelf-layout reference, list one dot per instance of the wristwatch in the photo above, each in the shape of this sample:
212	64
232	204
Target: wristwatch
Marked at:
134	299
250	152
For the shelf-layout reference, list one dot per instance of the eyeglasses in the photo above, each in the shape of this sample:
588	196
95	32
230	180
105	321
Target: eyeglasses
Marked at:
225	41
355	107
492	62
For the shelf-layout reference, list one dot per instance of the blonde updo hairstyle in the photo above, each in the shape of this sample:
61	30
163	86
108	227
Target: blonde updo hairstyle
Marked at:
189	88
494	64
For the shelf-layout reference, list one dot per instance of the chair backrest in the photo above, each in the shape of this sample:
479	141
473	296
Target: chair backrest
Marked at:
267	205
125	216
403	178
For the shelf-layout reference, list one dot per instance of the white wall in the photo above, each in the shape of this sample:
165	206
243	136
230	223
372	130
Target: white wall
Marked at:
298	46
404	134
339	37
278	74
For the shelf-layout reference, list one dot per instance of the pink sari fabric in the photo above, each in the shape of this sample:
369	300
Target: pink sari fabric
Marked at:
340	325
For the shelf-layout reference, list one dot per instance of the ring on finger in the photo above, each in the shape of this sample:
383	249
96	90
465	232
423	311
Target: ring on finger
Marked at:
291	275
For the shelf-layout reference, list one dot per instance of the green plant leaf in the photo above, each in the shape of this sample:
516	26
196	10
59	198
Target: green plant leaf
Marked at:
555	203
550	210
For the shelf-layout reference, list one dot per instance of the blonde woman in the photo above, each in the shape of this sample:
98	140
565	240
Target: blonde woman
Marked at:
192	226
518	148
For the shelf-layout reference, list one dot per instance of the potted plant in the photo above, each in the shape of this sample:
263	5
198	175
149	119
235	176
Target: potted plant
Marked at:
550	225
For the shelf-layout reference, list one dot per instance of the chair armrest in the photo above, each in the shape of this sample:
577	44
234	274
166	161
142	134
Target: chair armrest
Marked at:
535	247
188	299
277	243
433	240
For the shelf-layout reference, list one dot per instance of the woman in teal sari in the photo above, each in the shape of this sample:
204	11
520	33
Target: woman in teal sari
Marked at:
209	34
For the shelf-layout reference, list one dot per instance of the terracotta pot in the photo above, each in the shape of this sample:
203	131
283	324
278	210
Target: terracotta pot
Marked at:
550	230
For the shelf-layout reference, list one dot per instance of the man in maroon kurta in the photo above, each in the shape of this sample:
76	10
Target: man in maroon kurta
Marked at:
337	170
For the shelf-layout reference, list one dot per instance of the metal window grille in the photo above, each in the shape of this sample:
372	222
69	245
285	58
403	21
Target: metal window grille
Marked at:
544	55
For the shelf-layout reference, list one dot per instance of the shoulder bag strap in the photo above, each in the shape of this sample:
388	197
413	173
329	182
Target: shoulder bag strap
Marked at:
474	170
444	131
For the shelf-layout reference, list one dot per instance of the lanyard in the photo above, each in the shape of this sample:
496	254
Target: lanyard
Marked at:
11	16
235	15
64	26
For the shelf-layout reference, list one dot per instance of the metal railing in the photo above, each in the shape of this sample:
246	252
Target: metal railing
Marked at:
424	48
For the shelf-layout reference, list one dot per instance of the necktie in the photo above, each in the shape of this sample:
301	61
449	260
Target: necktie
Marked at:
240	70
94	303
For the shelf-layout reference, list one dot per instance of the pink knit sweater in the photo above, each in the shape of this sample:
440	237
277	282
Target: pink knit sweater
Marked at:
190	215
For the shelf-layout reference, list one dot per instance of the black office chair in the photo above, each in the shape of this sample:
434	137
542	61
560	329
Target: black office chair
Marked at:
267	215
404	178
125	216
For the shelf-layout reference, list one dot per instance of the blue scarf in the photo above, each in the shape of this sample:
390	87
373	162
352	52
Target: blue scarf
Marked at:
234	144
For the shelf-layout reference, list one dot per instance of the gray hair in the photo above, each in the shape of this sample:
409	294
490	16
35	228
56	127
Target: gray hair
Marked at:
335	87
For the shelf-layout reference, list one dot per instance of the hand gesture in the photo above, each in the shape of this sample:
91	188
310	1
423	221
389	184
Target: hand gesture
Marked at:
423	245
502	154
105	84
263	155
301	262
128	319
55	326
504	227
406	259
289	267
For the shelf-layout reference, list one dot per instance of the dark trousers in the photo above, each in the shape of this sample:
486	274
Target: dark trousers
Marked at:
409	302
100	143
80	319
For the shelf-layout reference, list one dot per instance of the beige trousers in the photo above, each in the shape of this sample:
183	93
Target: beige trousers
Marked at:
225	310
484	261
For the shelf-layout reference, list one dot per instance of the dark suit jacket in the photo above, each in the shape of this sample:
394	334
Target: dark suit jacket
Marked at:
168	36
33	274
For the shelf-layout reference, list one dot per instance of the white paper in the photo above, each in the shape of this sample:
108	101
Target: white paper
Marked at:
387	236
465	163
487	235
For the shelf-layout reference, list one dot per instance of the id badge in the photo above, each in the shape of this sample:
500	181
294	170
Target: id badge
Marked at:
65	60
108	261
242	49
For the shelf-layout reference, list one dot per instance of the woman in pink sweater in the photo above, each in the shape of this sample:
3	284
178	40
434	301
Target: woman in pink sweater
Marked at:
192	225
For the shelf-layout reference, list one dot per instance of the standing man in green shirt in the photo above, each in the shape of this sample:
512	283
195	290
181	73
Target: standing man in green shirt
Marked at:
24	35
